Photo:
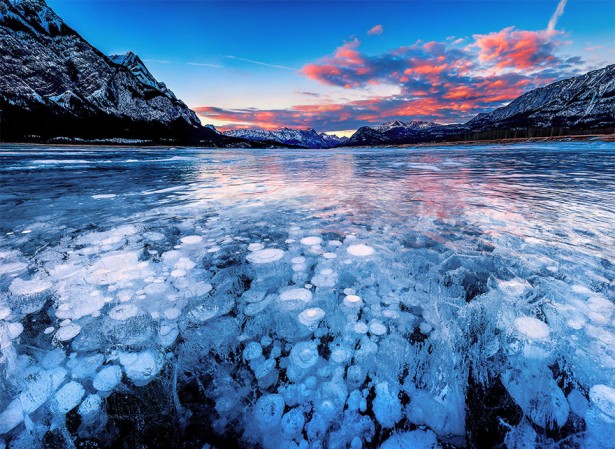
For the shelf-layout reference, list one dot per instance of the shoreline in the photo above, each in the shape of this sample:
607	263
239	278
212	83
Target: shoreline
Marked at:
576	138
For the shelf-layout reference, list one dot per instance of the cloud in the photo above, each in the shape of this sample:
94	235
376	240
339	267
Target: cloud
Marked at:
517	49
375	31
449	81
266	64
556	15
204	64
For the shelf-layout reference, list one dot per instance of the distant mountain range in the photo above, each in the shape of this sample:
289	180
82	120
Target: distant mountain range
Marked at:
581	105
306	138
55	86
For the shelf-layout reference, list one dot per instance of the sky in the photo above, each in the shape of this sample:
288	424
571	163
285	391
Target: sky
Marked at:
336	66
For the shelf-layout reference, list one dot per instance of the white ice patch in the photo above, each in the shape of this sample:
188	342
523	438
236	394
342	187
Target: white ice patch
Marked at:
265	256
311	241
532	327
360	250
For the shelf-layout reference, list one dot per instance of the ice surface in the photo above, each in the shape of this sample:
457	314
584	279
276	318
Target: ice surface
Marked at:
231	299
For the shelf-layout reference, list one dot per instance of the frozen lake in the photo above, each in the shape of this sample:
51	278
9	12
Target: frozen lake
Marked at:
423	298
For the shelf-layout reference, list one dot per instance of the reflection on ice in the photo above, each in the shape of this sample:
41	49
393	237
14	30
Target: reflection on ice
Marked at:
358	299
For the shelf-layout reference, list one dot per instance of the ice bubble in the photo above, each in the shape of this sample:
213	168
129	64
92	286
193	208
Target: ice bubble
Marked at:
268	410
67	332
341	355
108	378
298	260
31	287
14	330
311	241
532	327
352	300
178	273
12	416
360	250
377	328
360	328
355	375
182	264
68	397
425	328
304	354
124	312
191	239
252	351
296	294
5	312
415	439
255	246
387	407
141	367
292	423
329	255
265	256
310	317
603	397
90	406
350	291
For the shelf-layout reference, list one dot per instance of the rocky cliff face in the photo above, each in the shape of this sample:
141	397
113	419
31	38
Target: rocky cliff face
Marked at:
53	81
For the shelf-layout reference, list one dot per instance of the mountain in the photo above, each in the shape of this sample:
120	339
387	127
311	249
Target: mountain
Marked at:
583	102
306	138
580	105
54	84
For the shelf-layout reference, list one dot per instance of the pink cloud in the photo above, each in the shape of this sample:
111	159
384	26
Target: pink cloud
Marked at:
375	31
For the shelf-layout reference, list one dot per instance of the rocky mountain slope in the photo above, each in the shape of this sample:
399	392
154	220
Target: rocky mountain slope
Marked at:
54	84
578	105
306	138
586	101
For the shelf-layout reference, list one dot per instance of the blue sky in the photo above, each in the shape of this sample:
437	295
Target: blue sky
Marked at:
202	51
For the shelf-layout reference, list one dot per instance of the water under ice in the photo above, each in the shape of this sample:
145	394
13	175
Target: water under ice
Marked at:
446	297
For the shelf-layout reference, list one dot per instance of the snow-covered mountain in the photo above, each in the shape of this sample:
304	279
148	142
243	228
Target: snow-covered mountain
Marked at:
53	83
307	138
586	101
581	104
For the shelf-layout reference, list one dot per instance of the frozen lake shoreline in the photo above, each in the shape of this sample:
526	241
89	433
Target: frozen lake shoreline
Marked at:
286	298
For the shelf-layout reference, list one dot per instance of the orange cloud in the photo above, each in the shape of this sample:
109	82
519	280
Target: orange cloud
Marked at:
376	30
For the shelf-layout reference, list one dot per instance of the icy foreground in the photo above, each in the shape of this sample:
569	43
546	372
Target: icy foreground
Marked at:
343	299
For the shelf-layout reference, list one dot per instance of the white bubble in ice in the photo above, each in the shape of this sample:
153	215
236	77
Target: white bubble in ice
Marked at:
304	354
255	246
310	317
265	255
532	327
329	255
68	397
415	439
141	367
352	301
90	406
296	294
67	332
360	250
108	378
377	328
268	410
191	239
104	196
386	405
298	260
252	351
360	327
178	273
425	328
123	312
311	241
603	397
31	287
292	423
